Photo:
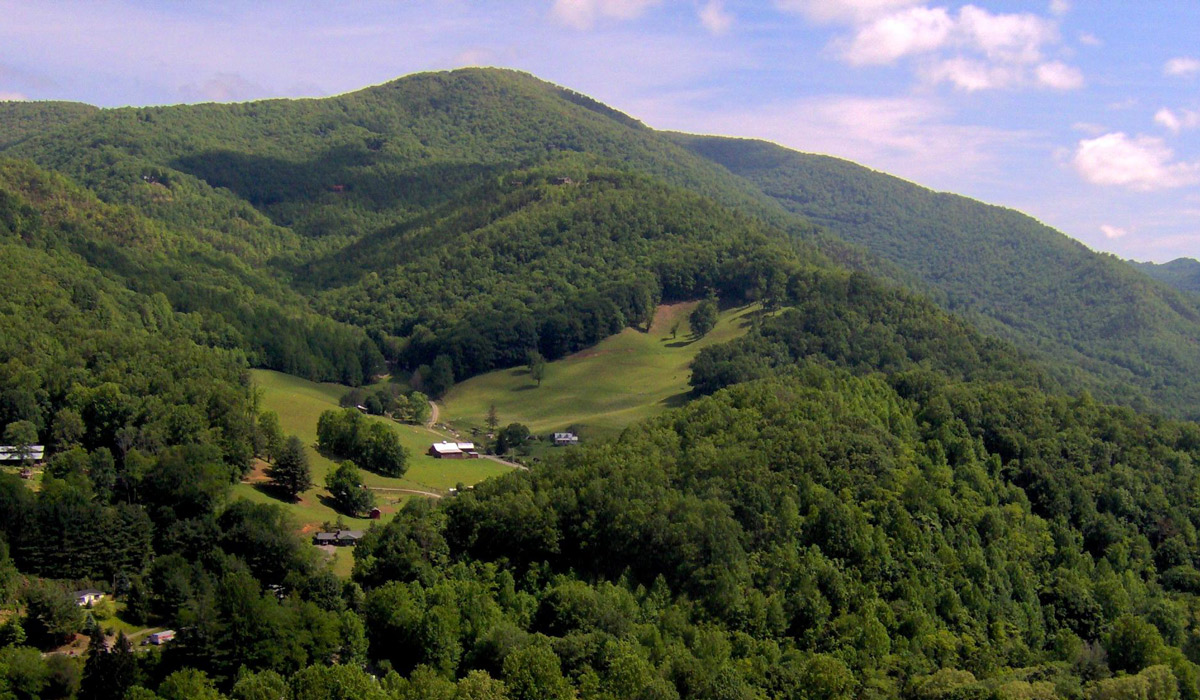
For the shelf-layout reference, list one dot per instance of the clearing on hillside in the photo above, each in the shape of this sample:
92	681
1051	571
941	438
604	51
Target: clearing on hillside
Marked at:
623	379
300	403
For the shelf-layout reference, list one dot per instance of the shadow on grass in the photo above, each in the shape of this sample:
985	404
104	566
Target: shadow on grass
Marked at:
677	400
275	492
525	387
681	343
329	502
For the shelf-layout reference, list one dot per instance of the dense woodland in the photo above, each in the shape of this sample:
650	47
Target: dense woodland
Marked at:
868	496
1181	273
1013	276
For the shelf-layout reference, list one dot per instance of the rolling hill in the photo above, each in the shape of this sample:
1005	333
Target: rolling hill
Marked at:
1181	273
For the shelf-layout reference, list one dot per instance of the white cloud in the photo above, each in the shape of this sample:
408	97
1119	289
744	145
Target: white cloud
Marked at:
912	31
1141	163
715	18
1088	39
971	74
844	11
971	48
1182	65
12	97
1059	76
1177	121
1059	7
583	14
1006	37
1090	128
1110	232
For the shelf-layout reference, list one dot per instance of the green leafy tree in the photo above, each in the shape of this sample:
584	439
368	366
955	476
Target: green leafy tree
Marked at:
291	472
51	615
24	671
263	685
535	673
1133	644
438	377
537	366
67	429
418	408
270	435
21	436
381	452
512	437
188	684
704	317
347	490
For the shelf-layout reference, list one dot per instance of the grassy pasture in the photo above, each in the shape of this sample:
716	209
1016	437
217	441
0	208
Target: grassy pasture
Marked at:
300	403
625	378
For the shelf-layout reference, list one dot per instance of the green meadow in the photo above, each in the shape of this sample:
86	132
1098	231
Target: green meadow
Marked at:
625	378
300	403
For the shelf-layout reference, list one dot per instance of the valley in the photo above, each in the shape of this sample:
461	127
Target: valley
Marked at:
840	436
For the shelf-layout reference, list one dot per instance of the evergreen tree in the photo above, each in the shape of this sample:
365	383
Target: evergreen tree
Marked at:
492	419
291	473
108	672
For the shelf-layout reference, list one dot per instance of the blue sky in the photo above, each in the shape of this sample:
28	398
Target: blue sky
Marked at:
1083	114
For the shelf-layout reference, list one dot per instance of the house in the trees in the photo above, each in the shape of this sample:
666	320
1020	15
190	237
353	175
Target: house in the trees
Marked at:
339	538
88	597
453	450
10	454
563	439
375	514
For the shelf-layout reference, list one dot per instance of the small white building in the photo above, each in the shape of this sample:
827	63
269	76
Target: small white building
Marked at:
563	439
88	597
12	455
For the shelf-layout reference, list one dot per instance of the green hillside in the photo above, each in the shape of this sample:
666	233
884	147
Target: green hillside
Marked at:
865	492
1182	273
623	379
20	120
299	403
475	213
1010	274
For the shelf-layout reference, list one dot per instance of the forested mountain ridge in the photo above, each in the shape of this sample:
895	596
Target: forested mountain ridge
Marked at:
1007	272
1180	273
20	120
351	201
873	498
238	306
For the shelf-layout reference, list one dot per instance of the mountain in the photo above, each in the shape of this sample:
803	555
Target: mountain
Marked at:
1180	273
478	212
1011	275
20	120
875	496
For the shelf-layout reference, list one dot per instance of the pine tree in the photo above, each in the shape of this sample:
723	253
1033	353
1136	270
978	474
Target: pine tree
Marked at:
291	472
492	420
